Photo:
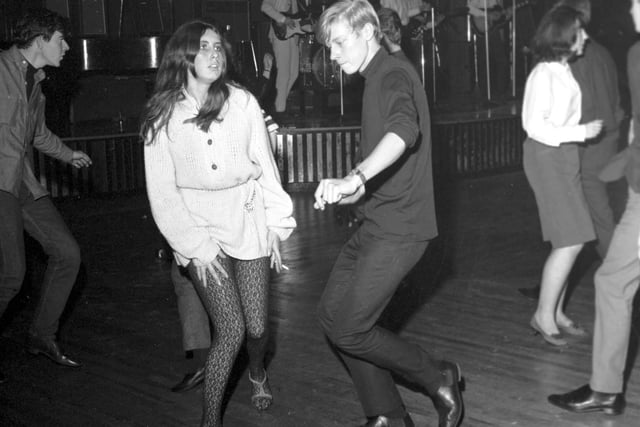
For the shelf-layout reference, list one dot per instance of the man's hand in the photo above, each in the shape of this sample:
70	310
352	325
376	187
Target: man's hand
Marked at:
290	23
80	160
215	268
343	191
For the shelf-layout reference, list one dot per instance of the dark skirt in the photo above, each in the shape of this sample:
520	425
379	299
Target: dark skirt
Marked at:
554	176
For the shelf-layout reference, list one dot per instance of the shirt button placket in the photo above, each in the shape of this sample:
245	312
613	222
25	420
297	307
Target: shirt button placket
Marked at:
213	165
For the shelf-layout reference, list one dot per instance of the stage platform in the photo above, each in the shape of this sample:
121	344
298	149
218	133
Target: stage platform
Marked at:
464	107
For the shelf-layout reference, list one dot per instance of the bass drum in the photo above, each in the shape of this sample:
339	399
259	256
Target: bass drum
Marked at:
326	72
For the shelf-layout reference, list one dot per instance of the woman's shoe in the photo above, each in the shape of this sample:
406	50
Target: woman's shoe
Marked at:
553	339
261	396
574	329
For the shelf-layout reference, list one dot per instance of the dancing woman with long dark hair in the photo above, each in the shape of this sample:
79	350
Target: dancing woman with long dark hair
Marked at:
216	196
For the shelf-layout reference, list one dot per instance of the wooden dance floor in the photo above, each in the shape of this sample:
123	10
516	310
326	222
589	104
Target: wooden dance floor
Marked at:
461	303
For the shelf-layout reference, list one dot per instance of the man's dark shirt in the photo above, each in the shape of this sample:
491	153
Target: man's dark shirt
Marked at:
596	74
399	203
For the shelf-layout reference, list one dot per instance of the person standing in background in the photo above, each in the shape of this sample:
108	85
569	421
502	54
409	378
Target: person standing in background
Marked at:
285	51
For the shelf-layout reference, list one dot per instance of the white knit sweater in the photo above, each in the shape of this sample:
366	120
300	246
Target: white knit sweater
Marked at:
217	190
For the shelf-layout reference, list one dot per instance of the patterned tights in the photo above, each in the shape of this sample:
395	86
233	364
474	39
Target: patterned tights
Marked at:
239	304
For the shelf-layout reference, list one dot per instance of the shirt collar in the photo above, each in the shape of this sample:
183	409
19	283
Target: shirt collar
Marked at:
377	59
23	64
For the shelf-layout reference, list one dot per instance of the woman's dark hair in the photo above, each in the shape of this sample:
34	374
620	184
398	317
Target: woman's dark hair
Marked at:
556	33
177	62
36	23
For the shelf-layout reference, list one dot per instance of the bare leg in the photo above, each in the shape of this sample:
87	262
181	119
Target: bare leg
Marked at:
561	318
554	282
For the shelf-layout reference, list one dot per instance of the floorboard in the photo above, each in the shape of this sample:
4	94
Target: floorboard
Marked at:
461	302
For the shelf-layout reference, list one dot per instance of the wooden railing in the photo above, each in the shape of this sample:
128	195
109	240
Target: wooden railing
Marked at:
461	149
117	167
304	156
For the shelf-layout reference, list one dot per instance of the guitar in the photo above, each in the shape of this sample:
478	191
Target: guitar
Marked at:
302	25
421	23
496	18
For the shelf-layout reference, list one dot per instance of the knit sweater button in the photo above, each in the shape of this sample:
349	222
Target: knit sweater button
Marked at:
210	142
214	166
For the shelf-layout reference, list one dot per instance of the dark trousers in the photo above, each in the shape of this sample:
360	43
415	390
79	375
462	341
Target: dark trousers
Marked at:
364	278
43	222
593	157
194	320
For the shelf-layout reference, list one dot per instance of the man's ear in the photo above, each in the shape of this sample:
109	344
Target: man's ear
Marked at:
39	42
367	31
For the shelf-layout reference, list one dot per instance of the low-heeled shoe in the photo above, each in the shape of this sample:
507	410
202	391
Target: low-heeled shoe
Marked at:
574	329
382	421
190	380
584	399
553	339
49	347
448	399
2	377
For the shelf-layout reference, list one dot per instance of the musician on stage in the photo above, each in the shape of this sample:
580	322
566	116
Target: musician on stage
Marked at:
406	9
285	51
487	17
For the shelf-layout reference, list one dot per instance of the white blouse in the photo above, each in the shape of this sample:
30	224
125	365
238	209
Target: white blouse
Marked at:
217	190
552	105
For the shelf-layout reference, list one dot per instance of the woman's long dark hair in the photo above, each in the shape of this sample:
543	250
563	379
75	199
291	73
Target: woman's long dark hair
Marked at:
177	62
556	34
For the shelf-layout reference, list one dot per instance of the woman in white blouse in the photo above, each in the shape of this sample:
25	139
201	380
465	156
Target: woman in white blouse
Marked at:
216	196
550	116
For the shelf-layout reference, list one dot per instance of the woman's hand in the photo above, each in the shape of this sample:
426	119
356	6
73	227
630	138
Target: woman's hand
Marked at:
213	267
273	243
593	128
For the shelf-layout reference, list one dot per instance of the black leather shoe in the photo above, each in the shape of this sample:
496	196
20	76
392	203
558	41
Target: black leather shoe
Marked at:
2	377
584	399
191	380
49	347
448	399
382	421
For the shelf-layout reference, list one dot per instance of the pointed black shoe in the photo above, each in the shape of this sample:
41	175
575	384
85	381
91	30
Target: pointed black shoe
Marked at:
49	347
2	377
382	421
191	380
448	399
584	399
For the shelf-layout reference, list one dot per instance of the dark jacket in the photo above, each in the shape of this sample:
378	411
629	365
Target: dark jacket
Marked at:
22	126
